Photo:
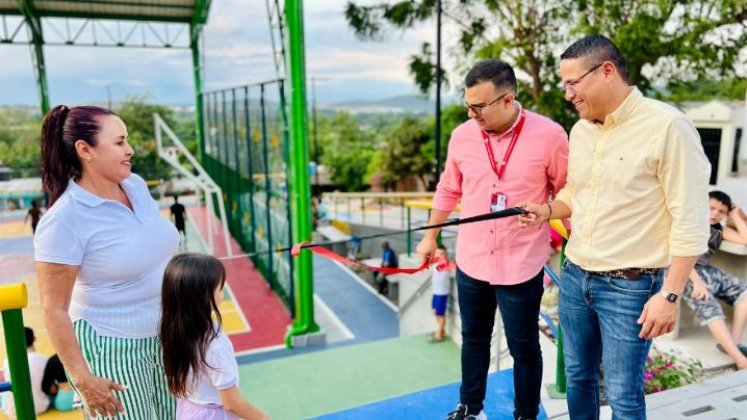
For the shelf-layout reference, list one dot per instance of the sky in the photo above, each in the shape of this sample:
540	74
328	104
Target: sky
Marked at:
237	51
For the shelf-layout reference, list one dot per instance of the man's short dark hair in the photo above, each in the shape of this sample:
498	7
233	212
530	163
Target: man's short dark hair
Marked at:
496	71
30	338
721	197
599	48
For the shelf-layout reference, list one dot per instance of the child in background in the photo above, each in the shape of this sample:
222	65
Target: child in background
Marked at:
708	283
34	214
441	288
56	385
199	361
37	362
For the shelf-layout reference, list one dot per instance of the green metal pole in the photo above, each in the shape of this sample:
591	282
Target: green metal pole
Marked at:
197	73
560	378
288	208
268	189
235	222
18	362
250	162
409	233
214	140
41	74
299	187
558	389
226	184
37	53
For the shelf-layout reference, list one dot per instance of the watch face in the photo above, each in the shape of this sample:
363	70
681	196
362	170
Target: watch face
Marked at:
672	297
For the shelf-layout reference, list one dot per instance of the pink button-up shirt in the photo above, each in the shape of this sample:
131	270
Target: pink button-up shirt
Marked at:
499	251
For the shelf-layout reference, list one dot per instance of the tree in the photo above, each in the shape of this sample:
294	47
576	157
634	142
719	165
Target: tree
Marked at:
701	89
137	114
451	117
403	154
665	41
20	137
675	40
523	32
346	150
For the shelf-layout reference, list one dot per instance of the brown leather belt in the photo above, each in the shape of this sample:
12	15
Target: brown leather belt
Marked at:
627	273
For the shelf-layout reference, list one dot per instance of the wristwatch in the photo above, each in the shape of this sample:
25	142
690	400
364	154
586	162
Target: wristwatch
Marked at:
670	296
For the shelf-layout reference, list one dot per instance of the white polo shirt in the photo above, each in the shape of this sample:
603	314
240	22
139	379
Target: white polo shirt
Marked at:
121	255
222	374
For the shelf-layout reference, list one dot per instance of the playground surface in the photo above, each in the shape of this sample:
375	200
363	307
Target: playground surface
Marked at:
362	362
364	370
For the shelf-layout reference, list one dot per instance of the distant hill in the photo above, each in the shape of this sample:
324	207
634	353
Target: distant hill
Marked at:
397	105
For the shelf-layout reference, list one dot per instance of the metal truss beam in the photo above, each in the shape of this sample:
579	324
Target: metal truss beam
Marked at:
98	33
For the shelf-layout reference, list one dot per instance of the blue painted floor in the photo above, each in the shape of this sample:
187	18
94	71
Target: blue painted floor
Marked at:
23	245
435	403
367	317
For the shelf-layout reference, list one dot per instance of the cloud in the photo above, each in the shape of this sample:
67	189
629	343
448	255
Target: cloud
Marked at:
237	50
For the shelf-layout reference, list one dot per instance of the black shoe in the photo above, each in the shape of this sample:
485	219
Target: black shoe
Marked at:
742	348
461	414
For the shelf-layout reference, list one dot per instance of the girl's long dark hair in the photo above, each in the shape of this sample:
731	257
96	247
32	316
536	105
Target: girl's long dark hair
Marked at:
61	128
187	326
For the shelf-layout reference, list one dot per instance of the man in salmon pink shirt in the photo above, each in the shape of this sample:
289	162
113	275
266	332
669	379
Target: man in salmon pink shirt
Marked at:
502	156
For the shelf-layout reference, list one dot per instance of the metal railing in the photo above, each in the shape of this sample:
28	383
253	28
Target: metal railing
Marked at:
201	179
355	206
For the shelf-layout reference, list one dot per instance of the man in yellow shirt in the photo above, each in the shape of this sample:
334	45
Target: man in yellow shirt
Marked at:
637	196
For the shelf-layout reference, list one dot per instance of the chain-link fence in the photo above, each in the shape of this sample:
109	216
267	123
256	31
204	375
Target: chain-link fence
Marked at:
245	151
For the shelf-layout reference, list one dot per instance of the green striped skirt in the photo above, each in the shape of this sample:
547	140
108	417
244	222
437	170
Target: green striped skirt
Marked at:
135	362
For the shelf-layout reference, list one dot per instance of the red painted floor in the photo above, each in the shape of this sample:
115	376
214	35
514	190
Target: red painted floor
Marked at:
266	314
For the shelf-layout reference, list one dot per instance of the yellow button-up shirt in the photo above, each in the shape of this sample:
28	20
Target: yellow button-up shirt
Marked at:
638	188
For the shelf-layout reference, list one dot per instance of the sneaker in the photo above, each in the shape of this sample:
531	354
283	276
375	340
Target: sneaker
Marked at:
461	414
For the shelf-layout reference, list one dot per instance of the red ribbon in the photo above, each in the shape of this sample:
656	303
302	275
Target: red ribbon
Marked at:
441	263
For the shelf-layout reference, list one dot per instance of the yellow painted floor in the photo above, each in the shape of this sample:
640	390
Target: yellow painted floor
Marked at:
55	415
14	229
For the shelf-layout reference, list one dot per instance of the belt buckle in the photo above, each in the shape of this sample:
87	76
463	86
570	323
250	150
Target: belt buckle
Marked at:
631	273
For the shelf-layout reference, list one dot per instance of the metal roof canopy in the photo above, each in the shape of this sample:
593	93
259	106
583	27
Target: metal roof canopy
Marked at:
184	11
193	13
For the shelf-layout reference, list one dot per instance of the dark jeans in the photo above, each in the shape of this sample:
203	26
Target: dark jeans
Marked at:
382	284
519	305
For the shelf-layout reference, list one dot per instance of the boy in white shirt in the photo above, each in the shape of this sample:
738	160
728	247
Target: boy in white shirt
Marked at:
441	288
37	363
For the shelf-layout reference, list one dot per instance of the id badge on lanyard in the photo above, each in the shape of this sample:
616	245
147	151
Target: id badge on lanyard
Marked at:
499	200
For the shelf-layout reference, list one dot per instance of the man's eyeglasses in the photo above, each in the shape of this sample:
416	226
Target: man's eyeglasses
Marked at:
479	109
571	84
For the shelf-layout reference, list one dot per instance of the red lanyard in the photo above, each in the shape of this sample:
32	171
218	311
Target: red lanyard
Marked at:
502	166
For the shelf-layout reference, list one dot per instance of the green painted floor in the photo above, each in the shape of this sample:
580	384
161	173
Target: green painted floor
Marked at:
323	382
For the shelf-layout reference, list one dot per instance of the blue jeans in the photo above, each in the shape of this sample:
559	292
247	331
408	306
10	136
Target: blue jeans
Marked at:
599	316
519	305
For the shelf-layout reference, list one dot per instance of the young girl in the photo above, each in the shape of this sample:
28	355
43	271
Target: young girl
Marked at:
201	369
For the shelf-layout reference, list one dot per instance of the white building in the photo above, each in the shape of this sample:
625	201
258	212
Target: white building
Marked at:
722	128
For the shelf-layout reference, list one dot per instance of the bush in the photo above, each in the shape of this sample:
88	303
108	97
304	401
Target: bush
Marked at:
664	371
